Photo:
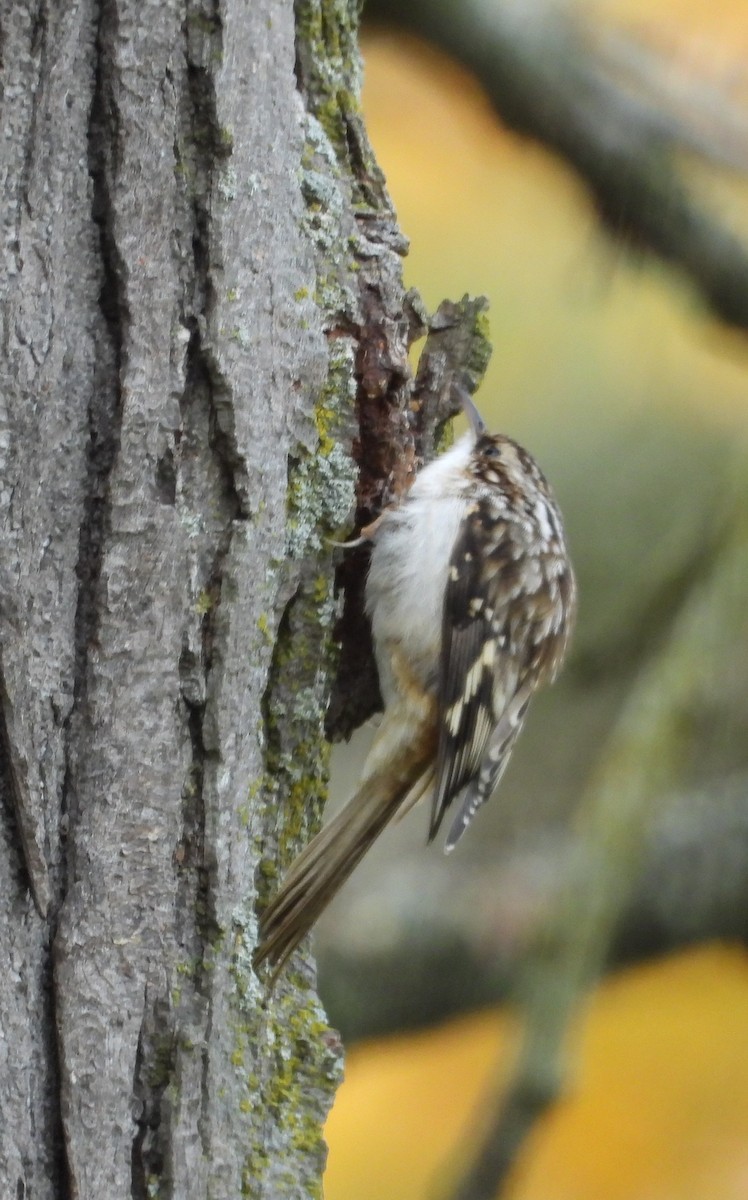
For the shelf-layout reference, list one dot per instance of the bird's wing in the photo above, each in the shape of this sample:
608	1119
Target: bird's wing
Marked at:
477	677
482	786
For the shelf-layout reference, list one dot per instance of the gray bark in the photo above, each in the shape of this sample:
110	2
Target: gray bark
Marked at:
181	315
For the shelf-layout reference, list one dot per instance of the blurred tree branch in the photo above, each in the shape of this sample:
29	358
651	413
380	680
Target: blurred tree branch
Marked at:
609	107
692	888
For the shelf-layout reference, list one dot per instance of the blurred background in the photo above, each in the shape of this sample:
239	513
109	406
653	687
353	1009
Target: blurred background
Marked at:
617	847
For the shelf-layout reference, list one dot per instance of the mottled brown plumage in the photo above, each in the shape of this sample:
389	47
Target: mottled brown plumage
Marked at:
471	596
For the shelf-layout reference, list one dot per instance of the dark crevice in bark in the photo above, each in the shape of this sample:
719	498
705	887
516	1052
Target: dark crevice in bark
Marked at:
222	483
52	1055
369	182
166	478
273	747
204	382
203	1121
196	663
197	922
194	814
211	482
105	408
37	47
155	1063
105	412
194	867
104	431
138	1170
209	146
11	801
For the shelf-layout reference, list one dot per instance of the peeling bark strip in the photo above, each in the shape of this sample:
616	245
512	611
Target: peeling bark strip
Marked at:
456	350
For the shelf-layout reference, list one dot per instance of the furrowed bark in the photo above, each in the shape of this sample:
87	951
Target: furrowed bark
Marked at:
175	437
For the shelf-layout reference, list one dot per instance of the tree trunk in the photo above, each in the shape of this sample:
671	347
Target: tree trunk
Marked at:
198	251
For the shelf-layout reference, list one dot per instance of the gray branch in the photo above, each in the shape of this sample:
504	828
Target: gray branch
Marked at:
602	105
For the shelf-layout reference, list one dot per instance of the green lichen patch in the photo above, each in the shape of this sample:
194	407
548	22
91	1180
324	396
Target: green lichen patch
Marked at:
322	493
322	478
288	1063
295	780
330	63
304	1057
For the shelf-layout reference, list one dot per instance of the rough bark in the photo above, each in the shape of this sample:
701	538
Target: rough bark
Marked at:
198	252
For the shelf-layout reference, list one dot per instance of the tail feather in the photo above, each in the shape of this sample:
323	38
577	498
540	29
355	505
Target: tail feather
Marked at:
421	791
325	864
480	789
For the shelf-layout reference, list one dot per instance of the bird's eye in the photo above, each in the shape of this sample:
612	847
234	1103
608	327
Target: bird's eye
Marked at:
491	451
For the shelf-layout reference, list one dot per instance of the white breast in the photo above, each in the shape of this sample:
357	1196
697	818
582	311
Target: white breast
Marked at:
409	565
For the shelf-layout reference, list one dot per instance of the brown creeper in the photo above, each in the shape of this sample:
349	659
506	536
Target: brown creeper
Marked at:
471	597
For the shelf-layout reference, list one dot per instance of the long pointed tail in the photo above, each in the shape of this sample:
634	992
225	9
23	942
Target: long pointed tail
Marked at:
324	865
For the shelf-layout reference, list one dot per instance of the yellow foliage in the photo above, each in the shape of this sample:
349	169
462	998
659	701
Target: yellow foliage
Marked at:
580	328
659	1105
658	1109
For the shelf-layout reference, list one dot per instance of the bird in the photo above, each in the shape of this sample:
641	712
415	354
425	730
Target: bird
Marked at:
471	597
